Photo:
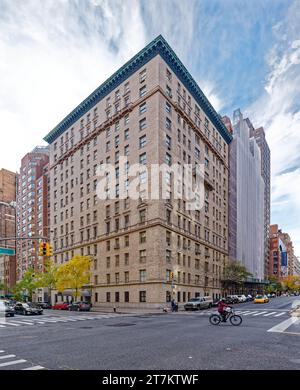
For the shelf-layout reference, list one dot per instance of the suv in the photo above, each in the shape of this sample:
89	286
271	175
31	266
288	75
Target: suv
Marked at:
80	306
27	308
6	309
198	303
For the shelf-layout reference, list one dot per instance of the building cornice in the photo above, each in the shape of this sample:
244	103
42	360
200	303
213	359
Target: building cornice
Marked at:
158	46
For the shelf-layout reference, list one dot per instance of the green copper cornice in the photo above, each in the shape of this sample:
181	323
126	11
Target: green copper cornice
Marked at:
157	46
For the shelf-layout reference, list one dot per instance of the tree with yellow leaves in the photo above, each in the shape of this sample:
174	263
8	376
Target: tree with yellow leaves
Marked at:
74	274
291	283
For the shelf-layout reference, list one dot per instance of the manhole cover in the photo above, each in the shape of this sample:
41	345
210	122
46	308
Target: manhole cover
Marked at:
125	324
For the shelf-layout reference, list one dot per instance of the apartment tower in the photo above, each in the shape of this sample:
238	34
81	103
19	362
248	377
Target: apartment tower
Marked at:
246	199
145	251
32	208
260	137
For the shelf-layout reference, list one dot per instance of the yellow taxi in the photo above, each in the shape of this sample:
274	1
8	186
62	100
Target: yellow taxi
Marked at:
261	299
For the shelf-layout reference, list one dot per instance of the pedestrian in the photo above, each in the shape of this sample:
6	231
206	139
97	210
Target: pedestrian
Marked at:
173	305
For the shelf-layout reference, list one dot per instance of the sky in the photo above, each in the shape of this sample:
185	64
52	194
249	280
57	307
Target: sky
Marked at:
244	54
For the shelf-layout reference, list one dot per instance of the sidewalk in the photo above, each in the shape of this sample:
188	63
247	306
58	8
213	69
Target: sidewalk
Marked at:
123	310
295	312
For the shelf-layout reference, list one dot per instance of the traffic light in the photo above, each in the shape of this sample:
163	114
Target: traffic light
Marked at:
50	250
43	249
171	275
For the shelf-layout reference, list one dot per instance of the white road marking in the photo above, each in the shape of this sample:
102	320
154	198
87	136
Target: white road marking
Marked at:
34	368
12	362
280	314
260	313
252	312
269	314
243	312
280	328
10	323
7	356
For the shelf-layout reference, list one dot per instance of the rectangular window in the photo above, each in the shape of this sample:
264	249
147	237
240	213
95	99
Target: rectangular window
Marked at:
142	296
117	296
126	134
143	124
168	141
142	275
126	296
143	108
168	124
168	159
143	91
143	159
126	259
142	237
168	107
142	216
143	256
126	150
143	141
143	75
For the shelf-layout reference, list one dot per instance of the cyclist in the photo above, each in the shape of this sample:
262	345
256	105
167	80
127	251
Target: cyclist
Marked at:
221	308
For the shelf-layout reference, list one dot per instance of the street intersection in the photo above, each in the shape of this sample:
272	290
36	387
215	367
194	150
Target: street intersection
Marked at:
267	339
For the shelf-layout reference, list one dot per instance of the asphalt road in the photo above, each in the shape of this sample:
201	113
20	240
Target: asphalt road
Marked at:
165	341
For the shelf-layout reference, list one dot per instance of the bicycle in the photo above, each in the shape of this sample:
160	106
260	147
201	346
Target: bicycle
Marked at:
234	319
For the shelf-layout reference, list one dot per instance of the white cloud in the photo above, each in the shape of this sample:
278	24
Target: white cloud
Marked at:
50	61
210	91
278	110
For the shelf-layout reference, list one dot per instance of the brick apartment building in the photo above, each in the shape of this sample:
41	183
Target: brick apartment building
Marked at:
32	208
278	261
144	251
7	227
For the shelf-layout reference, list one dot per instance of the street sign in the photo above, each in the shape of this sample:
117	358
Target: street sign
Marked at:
7	251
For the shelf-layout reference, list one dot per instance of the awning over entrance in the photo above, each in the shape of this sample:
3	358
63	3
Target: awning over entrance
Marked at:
83	293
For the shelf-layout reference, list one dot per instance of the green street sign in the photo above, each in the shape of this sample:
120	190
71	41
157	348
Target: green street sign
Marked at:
7	251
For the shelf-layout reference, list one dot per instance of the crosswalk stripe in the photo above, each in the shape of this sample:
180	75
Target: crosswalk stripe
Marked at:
2	351
7	356
10	323
269	314
260	313
26	323
34	368
2	326
280	314
280	328
12	362
252	312
243	312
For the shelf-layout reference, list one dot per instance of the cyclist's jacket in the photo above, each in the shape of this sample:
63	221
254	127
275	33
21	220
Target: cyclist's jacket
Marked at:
221	306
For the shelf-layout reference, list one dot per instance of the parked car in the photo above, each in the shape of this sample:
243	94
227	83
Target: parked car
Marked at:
61	306
260	298
6	309
230	299
242	298
198	303
80	306
27	308
45	305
